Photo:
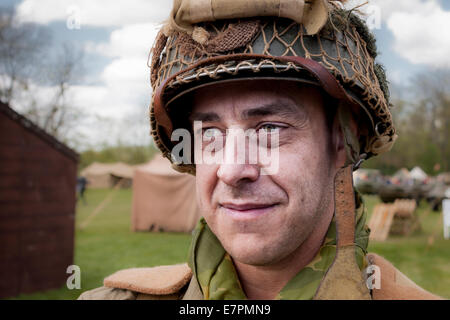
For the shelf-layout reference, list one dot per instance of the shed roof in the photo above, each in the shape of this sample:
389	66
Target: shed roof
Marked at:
33	128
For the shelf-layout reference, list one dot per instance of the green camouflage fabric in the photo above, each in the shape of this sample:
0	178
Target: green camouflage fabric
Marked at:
217	277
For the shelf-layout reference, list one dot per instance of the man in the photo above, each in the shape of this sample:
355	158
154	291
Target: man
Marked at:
81	189
304	73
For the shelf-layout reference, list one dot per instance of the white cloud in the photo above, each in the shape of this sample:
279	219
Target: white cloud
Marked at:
98	13
125	89
421	29
126	80
422	38
388	8
129	41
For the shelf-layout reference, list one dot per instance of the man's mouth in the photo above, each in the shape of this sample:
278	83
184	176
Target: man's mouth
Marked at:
247	210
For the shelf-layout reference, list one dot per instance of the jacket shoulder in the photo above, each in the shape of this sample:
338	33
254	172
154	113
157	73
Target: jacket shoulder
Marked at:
157	283
105	293
394	285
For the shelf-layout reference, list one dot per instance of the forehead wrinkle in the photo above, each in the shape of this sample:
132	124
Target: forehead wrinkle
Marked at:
284	108
204	116
246	106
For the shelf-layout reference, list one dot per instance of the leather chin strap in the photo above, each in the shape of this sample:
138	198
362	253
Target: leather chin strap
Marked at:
344	280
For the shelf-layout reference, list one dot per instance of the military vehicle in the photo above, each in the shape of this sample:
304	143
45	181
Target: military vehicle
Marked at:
368	181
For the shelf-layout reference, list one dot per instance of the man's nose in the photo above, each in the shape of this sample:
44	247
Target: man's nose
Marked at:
238	164
234	174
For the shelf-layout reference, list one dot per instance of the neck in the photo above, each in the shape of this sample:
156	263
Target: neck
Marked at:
265	282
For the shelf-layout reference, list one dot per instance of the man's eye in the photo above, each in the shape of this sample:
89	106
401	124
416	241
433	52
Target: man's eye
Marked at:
270	128
211	133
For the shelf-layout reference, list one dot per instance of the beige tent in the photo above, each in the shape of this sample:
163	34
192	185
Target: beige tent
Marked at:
163	199
107	175
418	174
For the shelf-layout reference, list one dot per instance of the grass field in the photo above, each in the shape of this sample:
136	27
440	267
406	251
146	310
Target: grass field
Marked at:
107	244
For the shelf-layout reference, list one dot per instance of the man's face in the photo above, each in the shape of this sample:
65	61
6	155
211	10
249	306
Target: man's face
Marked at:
262	219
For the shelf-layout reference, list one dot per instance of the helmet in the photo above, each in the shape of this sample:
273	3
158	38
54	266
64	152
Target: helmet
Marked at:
318	42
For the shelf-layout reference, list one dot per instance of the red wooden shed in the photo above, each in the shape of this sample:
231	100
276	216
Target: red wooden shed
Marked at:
37	206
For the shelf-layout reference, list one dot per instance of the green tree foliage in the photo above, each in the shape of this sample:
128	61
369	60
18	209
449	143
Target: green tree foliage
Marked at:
423	126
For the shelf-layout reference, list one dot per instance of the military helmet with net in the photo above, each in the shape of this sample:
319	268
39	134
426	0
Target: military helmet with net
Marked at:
317	42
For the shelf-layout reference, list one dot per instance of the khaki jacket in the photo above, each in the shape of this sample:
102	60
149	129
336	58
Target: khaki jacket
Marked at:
176	283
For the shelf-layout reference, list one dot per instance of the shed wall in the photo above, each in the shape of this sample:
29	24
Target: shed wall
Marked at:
37	211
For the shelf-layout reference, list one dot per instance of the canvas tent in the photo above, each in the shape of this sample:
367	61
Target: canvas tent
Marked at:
107	175
163	199
418	174
402	174
444	178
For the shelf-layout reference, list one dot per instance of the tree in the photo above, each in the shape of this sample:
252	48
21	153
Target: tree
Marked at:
29	66
433	90
21	49
423	124
57	116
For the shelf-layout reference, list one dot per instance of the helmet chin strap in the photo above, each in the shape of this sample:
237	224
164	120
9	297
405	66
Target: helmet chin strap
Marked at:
344	279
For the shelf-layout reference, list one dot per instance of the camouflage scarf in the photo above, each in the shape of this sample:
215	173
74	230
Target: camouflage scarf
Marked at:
218	279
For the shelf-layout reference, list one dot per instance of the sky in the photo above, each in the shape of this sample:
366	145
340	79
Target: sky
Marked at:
116	36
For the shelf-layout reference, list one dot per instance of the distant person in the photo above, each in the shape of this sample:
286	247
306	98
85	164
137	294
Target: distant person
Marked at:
81	189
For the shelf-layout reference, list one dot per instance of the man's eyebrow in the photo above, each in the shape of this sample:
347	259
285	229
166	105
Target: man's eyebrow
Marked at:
204	116
279	108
